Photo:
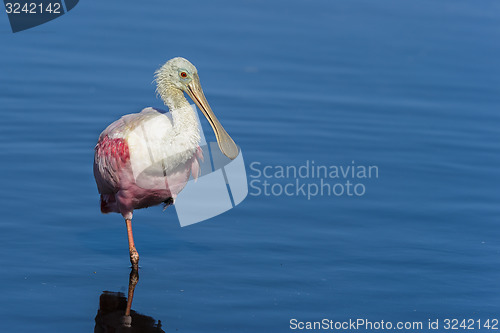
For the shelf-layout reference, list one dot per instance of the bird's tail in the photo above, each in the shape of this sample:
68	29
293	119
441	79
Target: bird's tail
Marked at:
108	203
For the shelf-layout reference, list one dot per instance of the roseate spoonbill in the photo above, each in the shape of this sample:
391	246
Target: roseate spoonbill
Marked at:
174	135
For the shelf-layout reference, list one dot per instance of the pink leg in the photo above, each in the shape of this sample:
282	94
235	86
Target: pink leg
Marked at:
134	255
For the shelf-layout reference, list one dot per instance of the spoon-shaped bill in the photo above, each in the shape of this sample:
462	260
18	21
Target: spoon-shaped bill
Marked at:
226	144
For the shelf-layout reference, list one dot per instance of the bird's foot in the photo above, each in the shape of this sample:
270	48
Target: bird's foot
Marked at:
168	202
134	258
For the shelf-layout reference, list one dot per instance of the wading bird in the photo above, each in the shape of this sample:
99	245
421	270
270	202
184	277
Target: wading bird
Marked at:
173	135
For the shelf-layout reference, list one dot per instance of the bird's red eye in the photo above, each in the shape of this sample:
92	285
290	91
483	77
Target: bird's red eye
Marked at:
183	75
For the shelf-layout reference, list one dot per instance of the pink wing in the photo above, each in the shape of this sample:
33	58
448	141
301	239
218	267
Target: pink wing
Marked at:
112	154
110	160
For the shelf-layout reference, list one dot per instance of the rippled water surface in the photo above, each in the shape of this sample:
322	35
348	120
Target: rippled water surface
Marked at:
412	88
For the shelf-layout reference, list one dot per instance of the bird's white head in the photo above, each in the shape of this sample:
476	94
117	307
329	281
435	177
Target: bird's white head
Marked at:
179	75
177	72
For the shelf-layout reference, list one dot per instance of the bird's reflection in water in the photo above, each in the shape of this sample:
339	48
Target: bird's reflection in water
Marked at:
115	314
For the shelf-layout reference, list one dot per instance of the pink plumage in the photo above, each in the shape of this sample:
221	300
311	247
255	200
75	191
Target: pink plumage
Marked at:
119	189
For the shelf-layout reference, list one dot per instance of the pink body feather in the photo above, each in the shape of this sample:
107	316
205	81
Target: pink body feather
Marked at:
114	176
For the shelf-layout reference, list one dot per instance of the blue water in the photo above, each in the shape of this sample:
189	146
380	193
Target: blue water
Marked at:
410	87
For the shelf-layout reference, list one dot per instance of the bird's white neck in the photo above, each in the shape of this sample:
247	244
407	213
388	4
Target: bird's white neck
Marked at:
173	97
185	123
